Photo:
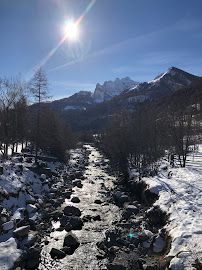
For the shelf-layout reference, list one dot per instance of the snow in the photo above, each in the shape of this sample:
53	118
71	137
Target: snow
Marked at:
9	253
16	188
180	196
111	89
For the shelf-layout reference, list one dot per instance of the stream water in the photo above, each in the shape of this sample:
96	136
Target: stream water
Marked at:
97	185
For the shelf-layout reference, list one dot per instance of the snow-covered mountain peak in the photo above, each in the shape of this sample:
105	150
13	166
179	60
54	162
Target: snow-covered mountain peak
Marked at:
110	89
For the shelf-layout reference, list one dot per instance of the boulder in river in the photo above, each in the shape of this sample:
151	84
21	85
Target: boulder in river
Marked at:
57	253
75	200
72	211
76	223
71	241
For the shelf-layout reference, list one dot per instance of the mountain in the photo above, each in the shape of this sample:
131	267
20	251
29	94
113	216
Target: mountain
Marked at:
164	84
93	111
111	89
78	101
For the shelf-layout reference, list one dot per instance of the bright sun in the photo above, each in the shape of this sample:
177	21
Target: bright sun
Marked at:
71	30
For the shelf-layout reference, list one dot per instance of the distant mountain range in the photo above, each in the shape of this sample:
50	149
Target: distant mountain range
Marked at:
91	111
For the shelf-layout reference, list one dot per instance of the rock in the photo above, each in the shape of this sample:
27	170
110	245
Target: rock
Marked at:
117	194
97	218
57	253
47	172
123	198
64	220
56	214
71	241
46	188
42	177
158	244
67	194
8	225
68	227
21	231
97	201
72	211
29	240
33	258
29	199
113	266
132	208
1	170
75	200
31	208
76	223
67	250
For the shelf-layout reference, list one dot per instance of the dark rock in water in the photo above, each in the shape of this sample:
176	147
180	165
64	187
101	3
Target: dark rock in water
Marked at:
97	201
72	211
87	218
76	223
71	241
64	220
75	200
67	194
113	266
97	218
57	253
68	227
67	250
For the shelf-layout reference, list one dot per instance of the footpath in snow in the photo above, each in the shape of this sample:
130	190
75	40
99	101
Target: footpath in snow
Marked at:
179	191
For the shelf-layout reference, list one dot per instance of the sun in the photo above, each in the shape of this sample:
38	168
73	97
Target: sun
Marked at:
71	30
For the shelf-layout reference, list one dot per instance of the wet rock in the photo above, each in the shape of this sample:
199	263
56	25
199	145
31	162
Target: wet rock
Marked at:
67	250
1	170
67	194
97	218
57	253
71	241
76	223
97	201
64	220
156	216
72	211
68	227
75	200
21	231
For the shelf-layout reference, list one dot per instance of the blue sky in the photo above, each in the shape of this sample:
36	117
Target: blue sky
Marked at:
118	38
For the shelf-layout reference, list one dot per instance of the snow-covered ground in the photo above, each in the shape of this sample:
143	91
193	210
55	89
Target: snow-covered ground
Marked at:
20	189
180	191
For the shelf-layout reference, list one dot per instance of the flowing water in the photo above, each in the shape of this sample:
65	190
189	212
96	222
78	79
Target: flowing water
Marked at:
98	184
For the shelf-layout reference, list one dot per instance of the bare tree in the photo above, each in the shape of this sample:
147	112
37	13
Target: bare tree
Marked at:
10	91
39	89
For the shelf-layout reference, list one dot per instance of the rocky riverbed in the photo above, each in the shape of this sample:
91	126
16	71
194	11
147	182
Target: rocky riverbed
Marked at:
101	225
88	220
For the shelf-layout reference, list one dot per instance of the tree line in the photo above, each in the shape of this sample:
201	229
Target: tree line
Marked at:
23	124
140	138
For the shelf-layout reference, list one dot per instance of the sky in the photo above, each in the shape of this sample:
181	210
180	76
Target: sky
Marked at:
117	38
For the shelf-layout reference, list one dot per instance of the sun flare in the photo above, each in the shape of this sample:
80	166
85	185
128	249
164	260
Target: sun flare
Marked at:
71	30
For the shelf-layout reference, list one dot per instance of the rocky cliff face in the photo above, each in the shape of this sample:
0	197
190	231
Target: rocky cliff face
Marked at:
111	89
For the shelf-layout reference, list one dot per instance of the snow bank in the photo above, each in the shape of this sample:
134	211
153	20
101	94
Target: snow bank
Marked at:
180	196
